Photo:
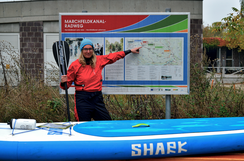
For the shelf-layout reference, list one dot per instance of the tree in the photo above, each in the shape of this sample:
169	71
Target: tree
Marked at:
209	31
242	5
232	28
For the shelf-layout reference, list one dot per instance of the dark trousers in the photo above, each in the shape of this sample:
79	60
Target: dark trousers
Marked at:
90	105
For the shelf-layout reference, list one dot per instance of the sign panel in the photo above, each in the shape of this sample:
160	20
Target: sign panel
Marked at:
162	67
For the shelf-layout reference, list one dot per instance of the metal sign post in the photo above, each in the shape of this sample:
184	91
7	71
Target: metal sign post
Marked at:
168	97
168	107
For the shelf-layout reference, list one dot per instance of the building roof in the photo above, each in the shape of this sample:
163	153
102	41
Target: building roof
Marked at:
214	41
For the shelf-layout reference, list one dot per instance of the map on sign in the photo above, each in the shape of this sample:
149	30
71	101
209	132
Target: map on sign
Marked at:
156	51
159	59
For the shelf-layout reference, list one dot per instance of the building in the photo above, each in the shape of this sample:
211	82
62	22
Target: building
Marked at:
32	25
223	59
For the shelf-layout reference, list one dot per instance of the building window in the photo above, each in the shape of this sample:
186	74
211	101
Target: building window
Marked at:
9	58
51	72
229	58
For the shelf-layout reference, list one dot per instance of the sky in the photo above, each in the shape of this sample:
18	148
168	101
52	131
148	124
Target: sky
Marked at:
215	10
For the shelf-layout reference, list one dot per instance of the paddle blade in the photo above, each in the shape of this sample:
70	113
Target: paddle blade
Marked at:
61	55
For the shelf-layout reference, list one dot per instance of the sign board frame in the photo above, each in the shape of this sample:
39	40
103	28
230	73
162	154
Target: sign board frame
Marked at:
166	36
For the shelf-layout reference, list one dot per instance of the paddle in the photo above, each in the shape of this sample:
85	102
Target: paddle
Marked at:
61	55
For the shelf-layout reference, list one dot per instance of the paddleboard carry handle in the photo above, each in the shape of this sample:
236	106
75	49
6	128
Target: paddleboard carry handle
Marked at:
141	125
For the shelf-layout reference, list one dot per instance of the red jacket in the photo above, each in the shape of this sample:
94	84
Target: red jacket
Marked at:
87	78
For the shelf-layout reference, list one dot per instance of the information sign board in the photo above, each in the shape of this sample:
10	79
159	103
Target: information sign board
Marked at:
162	67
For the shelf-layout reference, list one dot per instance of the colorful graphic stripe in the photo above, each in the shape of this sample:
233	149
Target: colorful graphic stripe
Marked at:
161	86
177	22
150	20
174	28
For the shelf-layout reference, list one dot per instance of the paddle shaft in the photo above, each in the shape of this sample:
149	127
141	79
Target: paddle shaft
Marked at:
62	65
67	100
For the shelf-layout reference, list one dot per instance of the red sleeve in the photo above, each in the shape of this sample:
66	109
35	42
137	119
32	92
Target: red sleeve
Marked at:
112	57
71	76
